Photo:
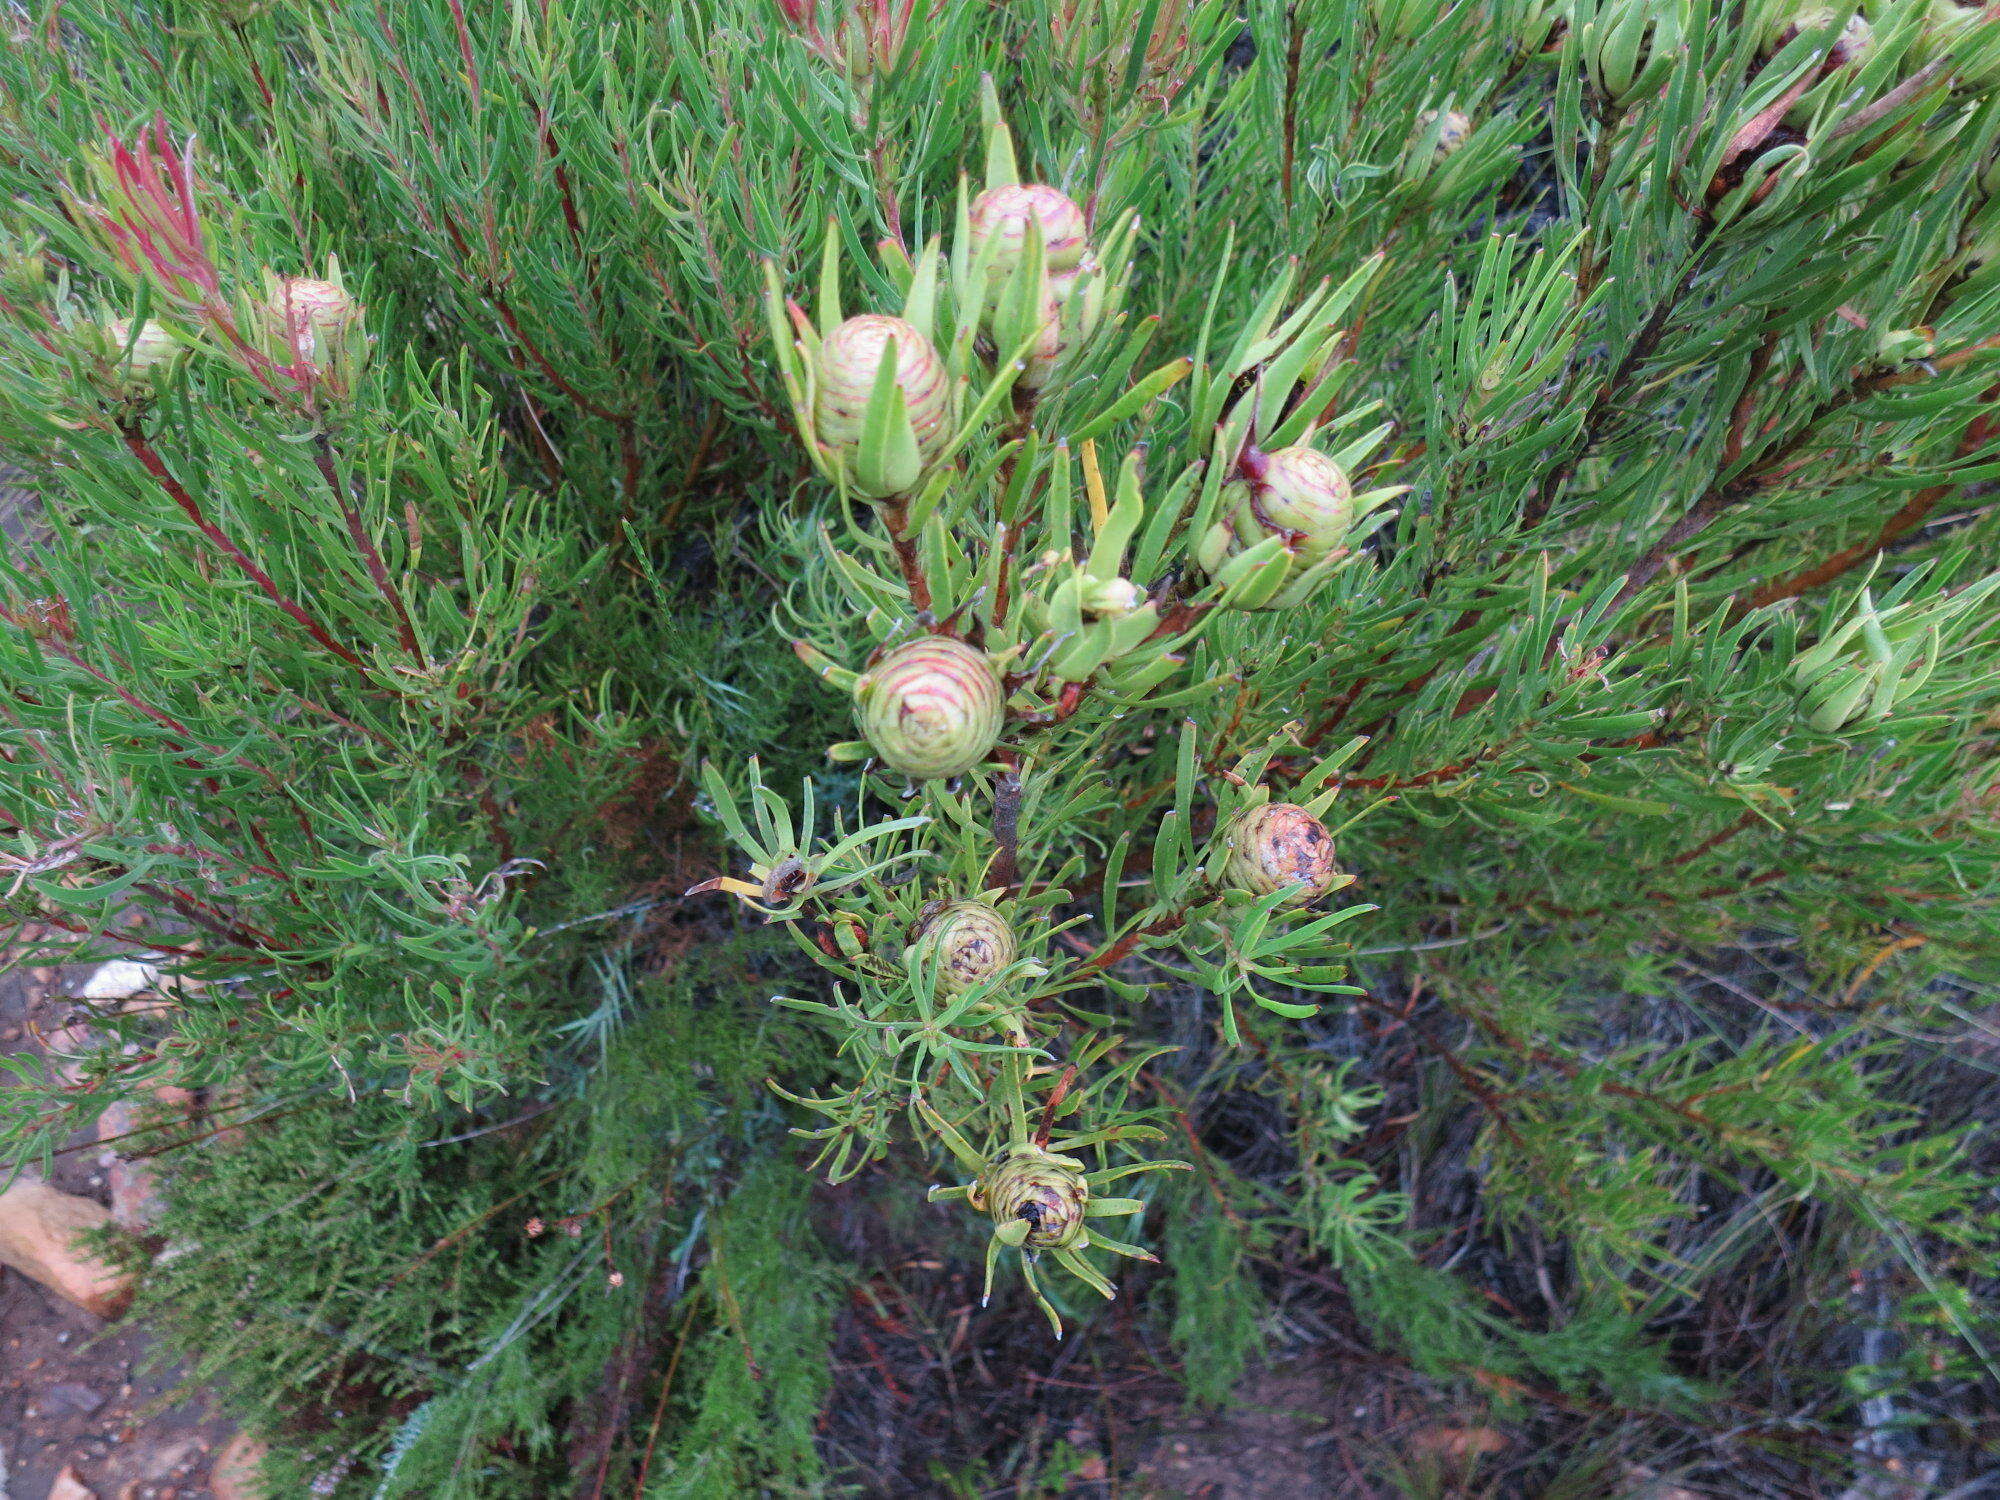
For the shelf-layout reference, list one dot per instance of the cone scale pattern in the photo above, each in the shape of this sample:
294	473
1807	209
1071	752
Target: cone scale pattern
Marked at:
931	708
972	943
849	361
1281	846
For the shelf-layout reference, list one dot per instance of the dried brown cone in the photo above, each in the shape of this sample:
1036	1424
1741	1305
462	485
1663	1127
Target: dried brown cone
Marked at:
1279	846
970	942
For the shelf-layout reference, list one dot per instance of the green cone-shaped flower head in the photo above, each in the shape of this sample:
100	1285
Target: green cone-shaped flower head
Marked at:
1296	493
304	311
152	352
850	359
1280	846
931	708
972	942
1035	1198
1001	216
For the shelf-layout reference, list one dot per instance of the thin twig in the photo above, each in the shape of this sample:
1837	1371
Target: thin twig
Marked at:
153	465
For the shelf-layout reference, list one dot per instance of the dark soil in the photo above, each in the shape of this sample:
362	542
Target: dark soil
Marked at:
75	1391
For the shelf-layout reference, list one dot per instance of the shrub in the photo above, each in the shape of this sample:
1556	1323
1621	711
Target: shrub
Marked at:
1295	526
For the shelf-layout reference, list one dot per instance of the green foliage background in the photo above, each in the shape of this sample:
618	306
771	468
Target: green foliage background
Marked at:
421	837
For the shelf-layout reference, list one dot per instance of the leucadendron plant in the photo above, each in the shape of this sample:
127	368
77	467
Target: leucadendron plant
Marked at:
1522	466
1020	551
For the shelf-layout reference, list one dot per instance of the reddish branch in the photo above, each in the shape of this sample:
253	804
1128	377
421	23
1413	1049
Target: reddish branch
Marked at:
1712	842
137	940
1488	1099
1006	825
1783	461
1660	898
1746	400
896	520
364	544
150	460
1910	515
1293	51
1106	957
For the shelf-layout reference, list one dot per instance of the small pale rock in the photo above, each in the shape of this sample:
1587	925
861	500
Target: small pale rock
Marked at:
235	1475
135	1187
1458	1444
40	1236
161	1461
67	1396
69	1487
120	979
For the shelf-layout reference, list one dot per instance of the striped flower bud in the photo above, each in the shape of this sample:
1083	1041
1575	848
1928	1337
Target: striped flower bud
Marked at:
1000	216
1035	1198
850	359
1296	493
1453	129
931	708
141	357
303	311
970	943
1279	846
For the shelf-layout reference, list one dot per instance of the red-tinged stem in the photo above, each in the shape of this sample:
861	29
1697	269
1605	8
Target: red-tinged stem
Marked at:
1106	957
199	855
1293	52
208	918
1759	127
1338	714
403	72
1713	842
256	72
159	716
628	449
58	920
1907	518
1046	1127
1781	463
527	345
1482	1092
896	519
1746	401
1661	898
151	462
364	544
472	84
